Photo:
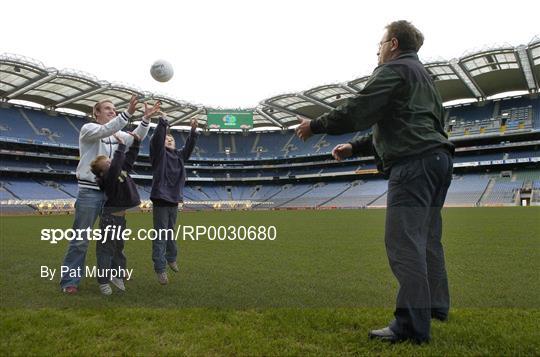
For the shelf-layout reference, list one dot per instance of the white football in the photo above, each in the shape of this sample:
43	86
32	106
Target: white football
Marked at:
161	71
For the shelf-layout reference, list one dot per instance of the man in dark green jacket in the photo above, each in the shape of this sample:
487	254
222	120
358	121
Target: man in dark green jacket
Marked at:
402	106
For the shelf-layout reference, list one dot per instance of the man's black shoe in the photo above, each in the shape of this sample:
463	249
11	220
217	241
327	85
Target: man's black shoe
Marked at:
384	334
442	318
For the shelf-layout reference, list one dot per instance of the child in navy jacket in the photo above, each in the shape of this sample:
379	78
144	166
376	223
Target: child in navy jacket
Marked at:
169	175
113	178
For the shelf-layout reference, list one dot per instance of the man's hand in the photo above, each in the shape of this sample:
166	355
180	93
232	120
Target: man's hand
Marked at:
303	131
132	104
151	111
194	123
118	138
342	151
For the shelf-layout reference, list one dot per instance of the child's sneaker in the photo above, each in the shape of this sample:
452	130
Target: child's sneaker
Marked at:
162	278
174	267
105	289
70	290
119	283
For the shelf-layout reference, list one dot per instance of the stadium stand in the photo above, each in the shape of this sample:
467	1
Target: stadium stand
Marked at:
499	142
359	194
535	195
32	190
466	190
14	125
55	129
32	125
503	192
319	194
37	126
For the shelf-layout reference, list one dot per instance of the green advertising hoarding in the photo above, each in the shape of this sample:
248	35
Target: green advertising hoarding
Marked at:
230	119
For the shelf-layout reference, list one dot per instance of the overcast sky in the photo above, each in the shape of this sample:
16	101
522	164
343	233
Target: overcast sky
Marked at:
237	53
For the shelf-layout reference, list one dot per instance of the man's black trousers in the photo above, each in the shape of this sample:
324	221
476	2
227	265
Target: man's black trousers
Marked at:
416	193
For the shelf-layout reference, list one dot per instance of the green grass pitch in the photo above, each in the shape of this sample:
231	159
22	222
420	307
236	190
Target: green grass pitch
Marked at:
316	290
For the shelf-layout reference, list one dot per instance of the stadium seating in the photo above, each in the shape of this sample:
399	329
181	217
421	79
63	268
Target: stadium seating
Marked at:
288	193
482	157
264	193
503	192
5	194
192	193
523	154
359	194
271	145
536	113
69	187
466	190
37	126
535	198
29	125
527	175
55	128
16	165
25	189
503	115
319	194
14	125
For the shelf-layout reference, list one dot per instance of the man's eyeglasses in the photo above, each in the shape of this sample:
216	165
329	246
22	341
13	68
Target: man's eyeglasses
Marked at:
382	43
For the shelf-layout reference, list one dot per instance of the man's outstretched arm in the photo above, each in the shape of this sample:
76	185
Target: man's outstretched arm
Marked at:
359	112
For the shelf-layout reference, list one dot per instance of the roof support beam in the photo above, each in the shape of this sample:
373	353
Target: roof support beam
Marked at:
526	67
132	92
356	81
268	117
177	107
172	109
467	79
33	84
81	96
187	116
315	101
281	109
345	86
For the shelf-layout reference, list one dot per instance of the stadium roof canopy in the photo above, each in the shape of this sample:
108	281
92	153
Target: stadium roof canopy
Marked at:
475	76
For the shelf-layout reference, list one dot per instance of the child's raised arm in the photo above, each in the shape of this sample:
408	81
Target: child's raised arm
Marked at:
132	153
157	142
190	142
118	159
